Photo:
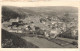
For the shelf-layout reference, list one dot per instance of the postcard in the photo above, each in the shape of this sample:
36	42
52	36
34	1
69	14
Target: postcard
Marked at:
40	26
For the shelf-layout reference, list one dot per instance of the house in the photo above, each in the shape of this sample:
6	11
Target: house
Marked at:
54	32
16	30
74	31
14	20
71	24
16	25
59	24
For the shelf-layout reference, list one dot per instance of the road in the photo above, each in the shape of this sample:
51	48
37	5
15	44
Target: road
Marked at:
44	43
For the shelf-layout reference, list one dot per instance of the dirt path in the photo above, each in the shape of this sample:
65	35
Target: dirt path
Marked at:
42	43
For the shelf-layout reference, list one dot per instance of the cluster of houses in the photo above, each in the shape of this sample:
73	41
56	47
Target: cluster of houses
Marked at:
14	25
55	26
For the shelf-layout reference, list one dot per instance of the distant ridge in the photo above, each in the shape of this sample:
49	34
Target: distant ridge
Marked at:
10	12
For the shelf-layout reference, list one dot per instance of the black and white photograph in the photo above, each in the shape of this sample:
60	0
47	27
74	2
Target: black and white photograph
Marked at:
39	27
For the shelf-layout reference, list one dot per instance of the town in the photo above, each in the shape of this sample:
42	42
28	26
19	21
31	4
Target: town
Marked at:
50	28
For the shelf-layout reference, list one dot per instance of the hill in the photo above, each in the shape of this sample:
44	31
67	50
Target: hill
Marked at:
10	40
23	12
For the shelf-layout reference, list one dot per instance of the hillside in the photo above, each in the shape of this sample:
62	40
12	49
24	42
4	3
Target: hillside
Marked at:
23	12
9	40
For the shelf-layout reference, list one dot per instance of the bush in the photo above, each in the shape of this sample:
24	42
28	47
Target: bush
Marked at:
74	43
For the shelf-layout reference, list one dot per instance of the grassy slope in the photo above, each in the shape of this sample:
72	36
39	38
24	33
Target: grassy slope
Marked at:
16	41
